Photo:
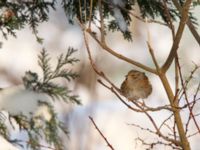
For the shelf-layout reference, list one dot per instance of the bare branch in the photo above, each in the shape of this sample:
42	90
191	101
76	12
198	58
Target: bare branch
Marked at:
142	128
176	78
152	145
90	15
145	107
101	21
195	95
153	56
193	134
126	59
189	23
85	6
169	20
186	99
105	139
175	142
187	81
174	49
80	10
165	121
105	47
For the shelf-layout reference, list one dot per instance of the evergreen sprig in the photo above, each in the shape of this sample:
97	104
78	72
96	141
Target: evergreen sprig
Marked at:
23	13
38	129
196	3
53	125
33	13
81	10
4	130
153	9
46	84
49	130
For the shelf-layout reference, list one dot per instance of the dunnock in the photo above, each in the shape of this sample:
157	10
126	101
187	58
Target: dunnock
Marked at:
136	86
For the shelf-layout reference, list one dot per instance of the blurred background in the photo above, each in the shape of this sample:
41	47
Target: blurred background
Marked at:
18	55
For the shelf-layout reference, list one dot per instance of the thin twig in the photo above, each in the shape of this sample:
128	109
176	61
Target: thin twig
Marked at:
177	143
145	107
187	81
105	47
197	91
90	15
153	56
102	135
176	78
174	129
142	128
152	145
187	100
169	20
101	21
193	134
141	109
80	10
151	50
85	12
165	121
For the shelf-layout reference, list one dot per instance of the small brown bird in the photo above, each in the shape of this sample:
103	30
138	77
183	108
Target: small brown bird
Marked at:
8	14
136	86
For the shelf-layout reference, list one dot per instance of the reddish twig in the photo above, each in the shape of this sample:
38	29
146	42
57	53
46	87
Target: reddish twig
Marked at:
186	98
102	135
153	144
143	105
141	109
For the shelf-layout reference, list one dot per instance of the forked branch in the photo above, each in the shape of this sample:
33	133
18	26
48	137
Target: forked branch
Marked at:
189	23
178	36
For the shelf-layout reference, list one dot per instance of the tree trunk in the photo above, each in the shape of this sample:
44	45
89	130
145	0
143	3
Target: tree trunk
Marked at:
178	120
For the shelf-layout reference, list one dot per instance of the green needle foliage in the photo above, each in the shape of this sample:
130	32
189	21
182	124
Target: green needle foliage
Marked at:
32	13
3	130
23	13
152	9
46	84
81	10
37	127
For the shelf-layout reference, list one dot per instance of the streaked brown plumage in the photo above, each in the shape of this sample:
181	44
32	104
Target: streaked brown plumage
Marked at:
136	86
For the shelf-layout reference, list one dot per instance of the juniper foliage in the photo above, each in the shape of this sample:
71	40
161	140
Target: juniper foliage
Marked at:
152	9
16	14
46	84
36	127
